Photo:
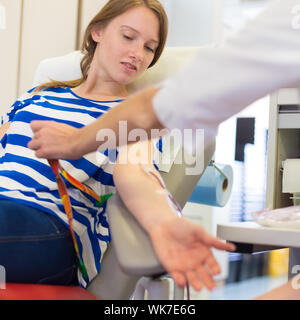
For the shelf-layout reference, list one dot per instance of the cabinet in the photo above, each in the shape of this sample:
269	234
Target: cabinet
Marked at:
9	53
49	29
284	142
34	30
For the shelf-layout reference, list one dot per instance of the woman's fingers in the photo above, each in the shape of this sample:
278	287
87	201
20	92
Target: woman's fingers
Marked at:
212	265
211	241
197	279
179	278
221	245
194	281
206	277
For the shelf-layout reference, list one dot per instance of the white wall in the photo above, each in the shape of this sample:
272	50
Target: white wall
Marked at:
35	30
2	17
89	8
49	28
9	53
204	20
193	22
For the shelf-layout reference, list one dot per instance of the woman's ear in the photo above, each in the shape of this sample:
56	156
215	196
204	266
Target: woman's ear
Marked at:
97	33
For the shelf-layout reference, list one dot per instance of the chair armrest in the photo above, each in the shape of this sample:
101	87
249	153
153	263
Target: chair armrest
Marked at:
131	242
102	285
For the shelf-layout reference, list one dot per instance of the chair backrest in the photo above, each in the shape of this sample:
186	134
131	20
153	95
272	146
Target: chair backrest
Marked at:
131	255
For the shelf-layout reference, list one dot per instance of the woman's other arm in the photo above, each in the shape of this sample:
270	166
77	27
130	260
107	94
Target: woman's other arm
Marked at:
4	129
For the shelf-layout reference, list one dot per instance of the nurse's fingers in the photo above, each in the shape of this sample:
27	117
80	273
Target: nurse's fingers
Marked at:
34	144
37	125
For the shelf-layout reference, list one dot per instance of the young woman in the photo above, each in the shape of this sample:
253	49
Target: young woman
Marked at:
121	42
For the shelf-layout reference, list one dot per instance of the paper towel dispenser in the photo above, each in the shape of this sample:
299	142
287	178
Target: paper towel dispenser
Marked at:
214	187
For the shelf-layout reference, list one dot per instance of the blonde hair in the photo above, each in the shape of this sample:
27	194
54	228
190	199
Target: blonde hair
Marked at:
111	10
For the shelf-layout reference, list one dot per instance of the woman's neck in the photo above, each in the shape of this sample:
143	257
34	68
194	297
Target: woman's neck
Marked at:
96	89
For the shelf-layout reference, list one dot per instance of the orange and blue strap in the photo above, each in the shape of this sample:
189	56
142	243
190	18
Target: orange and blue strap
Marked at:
59	171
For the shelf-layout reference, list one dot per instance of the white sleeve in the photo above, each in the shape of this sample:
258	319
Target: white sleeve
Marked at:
220	82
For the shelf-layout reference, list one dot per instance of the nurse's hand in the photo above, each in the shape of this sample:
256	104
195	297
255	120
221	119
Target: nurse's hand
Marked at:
184	249
54	140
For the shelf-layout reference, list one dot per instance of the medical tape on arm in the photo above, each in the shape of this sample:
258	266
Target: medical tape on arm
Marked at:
164	191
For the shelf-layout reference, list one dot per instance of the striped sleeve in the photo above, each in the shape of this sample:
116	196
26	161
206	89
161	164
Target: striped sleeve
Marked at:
22	102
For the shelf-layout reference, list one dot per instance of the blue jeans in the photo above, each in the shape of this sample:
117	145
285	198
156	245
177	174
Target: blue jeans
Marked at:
35	247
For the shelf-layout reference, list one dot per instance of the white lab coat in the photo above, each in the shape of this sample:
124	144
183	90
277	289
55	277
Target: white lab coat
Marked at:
220	82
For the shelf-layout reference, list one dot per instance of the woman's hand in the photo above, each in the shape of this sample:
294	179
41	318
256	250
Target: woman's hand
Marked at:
184	249
54	140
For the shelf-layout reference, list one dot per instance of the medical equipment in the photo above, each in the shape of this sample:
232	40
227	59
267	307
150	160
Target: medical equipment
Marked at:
283	144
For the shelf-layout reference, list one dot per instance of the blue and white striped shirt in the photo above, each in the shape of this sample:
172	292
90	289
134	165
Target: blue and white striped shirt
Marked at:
26	179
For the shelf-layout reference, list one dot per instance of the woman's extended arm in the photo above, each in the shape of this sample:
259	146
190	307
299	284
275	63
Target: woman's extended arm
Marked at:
183	247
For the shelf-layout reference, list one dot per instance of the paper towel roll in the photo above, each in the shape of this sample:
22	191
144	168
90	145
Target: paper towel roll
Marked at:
213	189
291	176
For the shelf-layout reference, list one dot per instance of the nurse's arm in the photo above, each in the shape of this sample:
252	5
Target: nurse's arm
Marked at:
58	141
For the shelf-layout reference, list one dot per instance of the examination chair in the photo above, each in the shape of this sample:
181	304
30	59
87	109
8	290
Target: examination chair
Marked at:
130	255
